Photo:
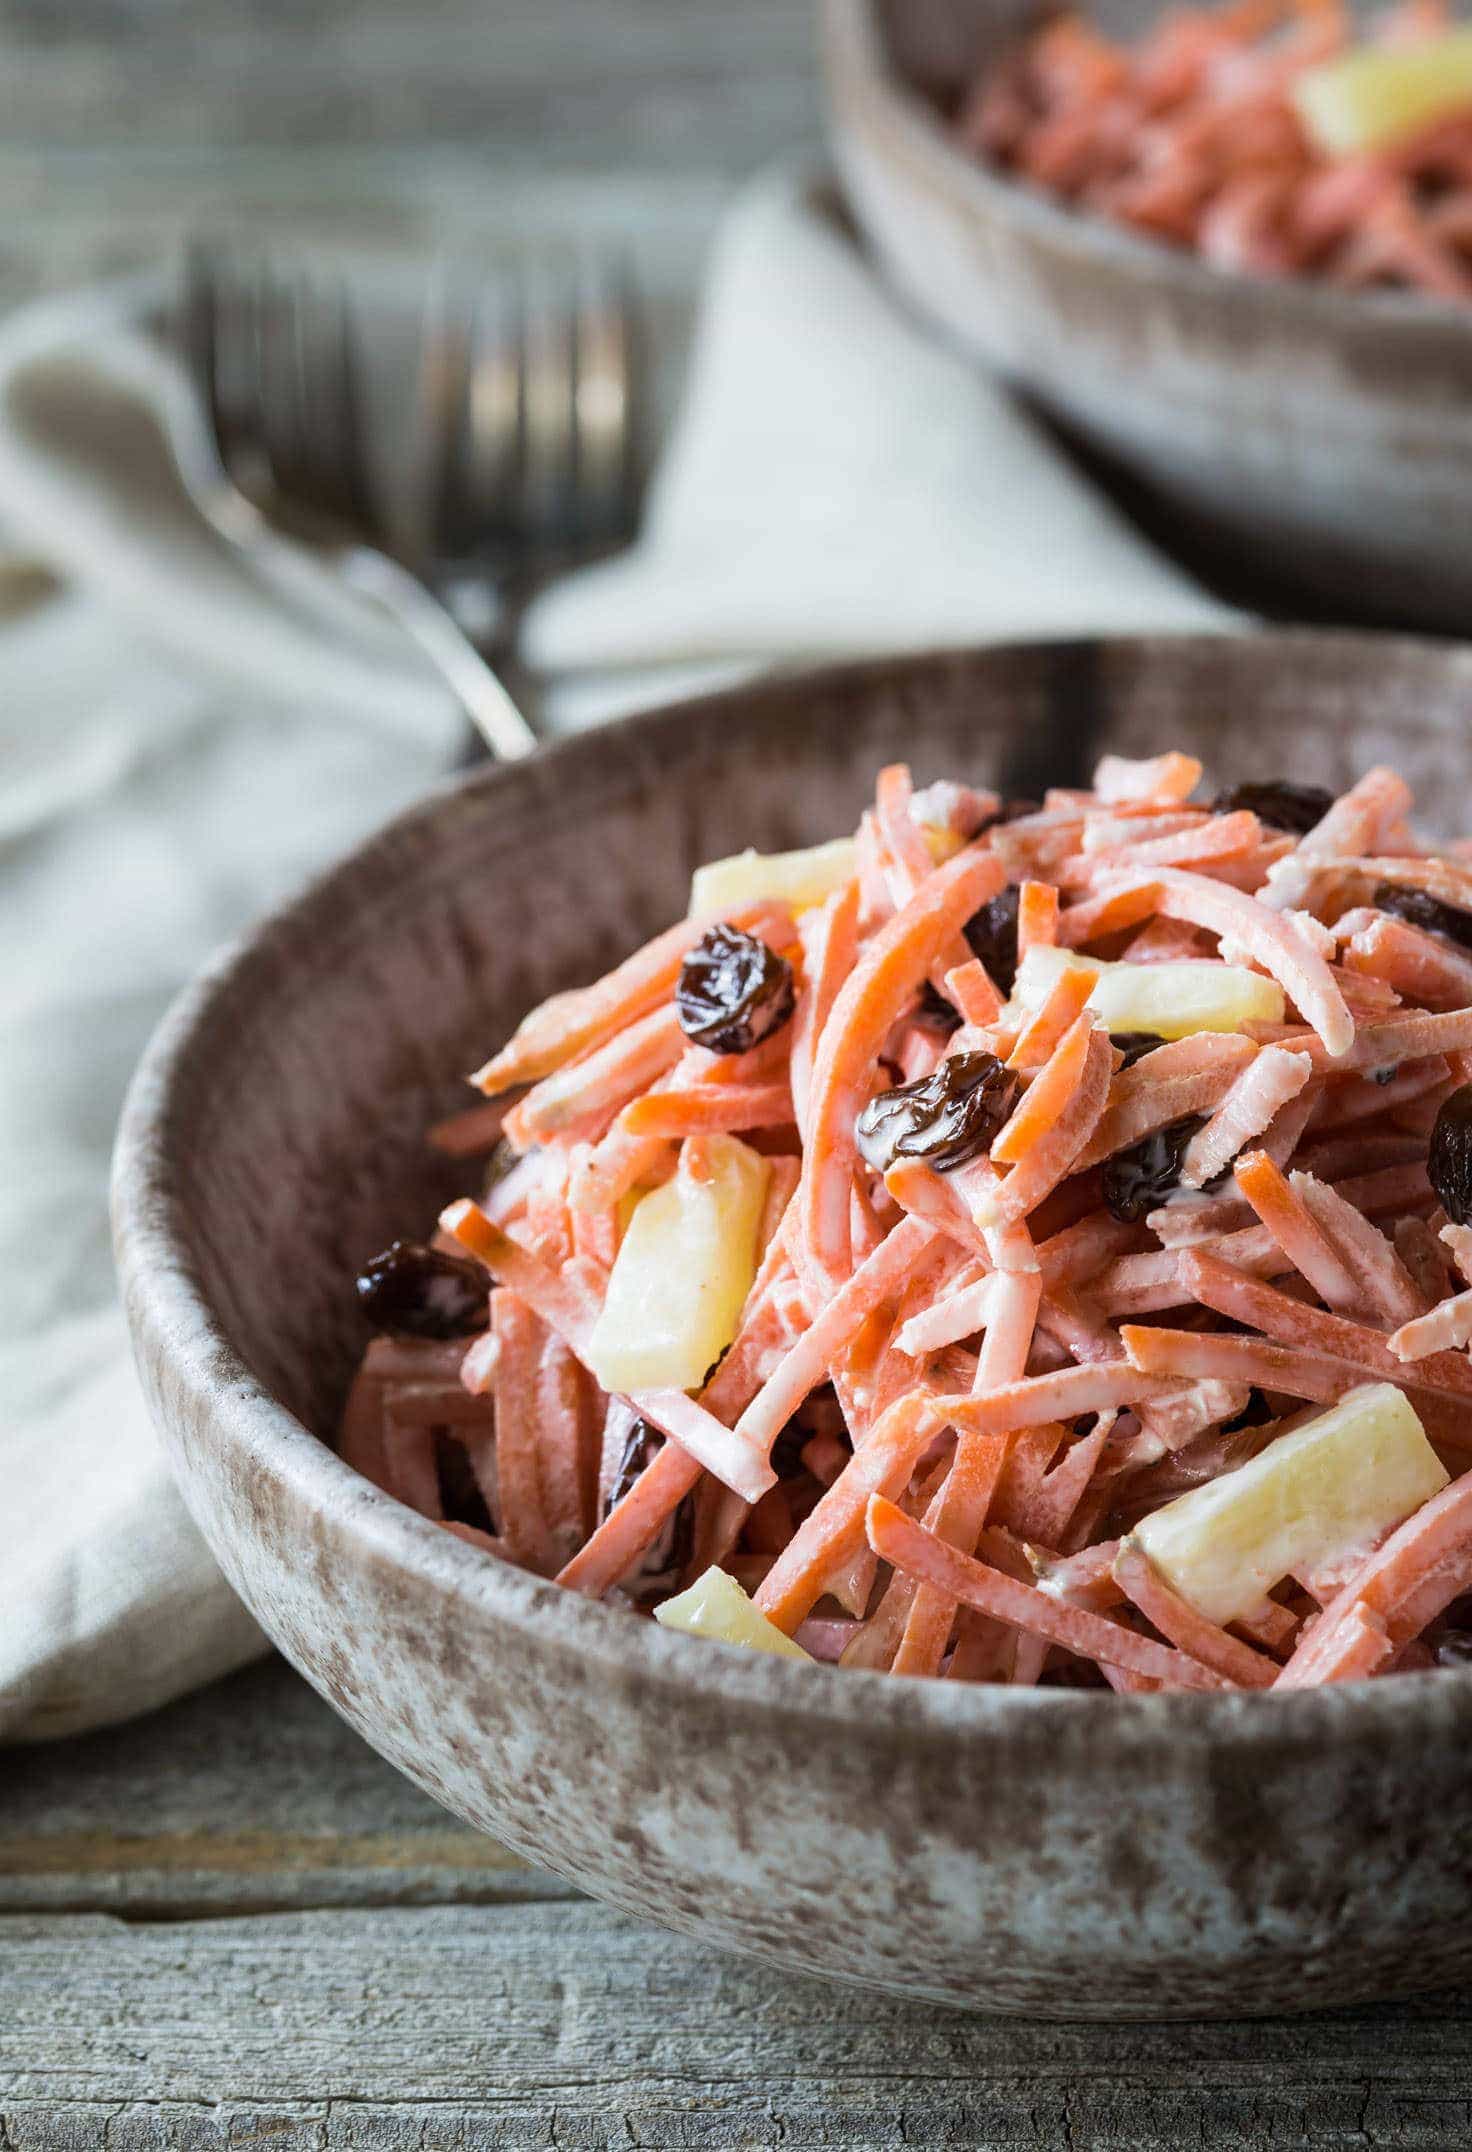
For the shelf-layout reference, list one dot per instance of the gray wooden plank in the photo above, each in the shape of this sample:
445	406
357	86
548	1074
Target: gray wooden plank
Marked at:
569	2025
250	1795
657	80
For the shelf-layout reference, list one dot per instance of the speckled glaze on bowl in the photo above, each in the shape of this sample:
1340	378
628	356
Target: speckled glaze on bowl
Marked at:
1316	439
1065	1854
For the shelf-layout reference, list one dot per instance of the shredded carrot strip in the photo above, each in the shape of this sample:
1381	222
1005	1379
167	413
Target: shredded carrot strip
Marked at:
1443	1329
1216	1285
911	1244
1266	1085
888	972
1168	778
897	1538
975	1470
973	993
835	1528
829	942
710	1106
615	1547
1282	1209
1041	1033
1187	1077
1048	1132
1037	916
523	1519
1386	1291
1176	1619
1421	1568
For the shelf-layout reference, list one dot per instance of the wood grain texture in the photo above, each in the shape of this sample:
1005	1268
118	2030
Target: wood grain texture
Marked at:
571	2026
250	1796
656	80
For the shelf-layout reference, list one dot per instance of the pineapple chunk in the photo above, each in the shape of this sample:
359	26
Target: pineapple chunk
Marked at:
1172	1000
1306	1506
683	1269
796	878
716	1606
1378	94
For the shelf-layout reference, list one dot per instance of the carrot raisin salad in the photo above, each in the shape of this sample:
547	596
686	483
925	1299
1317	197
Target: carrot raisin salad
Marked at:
1014	1244
1272	137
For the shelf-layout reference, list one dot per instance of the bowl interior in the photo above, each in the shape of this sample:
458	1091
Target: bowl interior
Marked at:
294	1106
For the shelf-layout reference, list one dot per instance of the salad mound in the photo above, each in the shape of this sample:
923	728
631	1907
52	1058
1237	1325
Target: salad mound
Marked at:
1018	1243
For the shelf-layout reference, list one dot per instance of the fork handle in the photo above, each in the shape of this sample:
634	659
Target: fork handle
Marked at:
484	698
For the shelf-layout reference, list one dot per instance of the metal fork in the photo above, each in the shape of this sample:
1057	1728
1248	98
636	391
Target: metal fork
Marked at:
530	399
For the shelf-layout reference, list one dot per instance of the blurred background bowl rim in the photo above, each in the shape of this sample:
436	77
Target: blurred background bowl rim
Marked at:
170	1319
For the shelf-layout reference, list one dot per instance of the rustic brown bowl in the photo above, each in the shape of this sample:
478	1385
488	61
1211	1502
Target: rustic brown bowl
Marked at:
1310	439
1075	1854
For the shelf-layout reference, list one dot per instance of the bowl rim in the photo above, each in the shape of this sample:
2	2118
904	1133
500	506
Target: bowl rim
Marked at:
171	1324
857	51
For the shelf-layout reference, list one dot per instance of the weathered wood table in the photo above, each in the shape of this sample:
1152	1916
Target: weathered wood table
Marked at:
231	1924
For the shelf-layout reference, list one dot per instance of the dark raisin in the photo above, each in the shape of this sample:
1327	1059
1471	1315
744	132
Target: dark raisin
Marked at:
733	991
945	1118
640	1446
423	1292
787	1450
668	1554
1255	1413
461	1497
1134	1044
1137	1179
935	1012
992	935
1426	912
1449	1163
1296	808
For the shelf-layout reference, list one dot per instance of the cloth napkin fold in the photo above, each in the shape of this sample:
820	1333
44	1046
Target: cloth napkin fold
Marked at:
179	749
181	744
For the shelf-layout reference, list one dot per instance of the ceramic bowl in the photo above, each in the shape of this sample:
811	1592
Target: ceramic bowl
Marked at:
1317	441
1078	1854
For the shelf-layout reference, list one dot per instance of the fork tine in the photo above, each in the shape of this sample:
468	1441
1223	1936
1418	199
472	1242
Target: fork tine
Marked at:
549	470
445	391
358	494
285	430
199	328
604	405
496	412
220	336
268	344
638	413
330	400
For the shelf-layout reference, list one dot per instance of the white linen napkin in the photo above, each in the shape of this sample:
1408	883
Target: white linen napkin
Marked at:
179	747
